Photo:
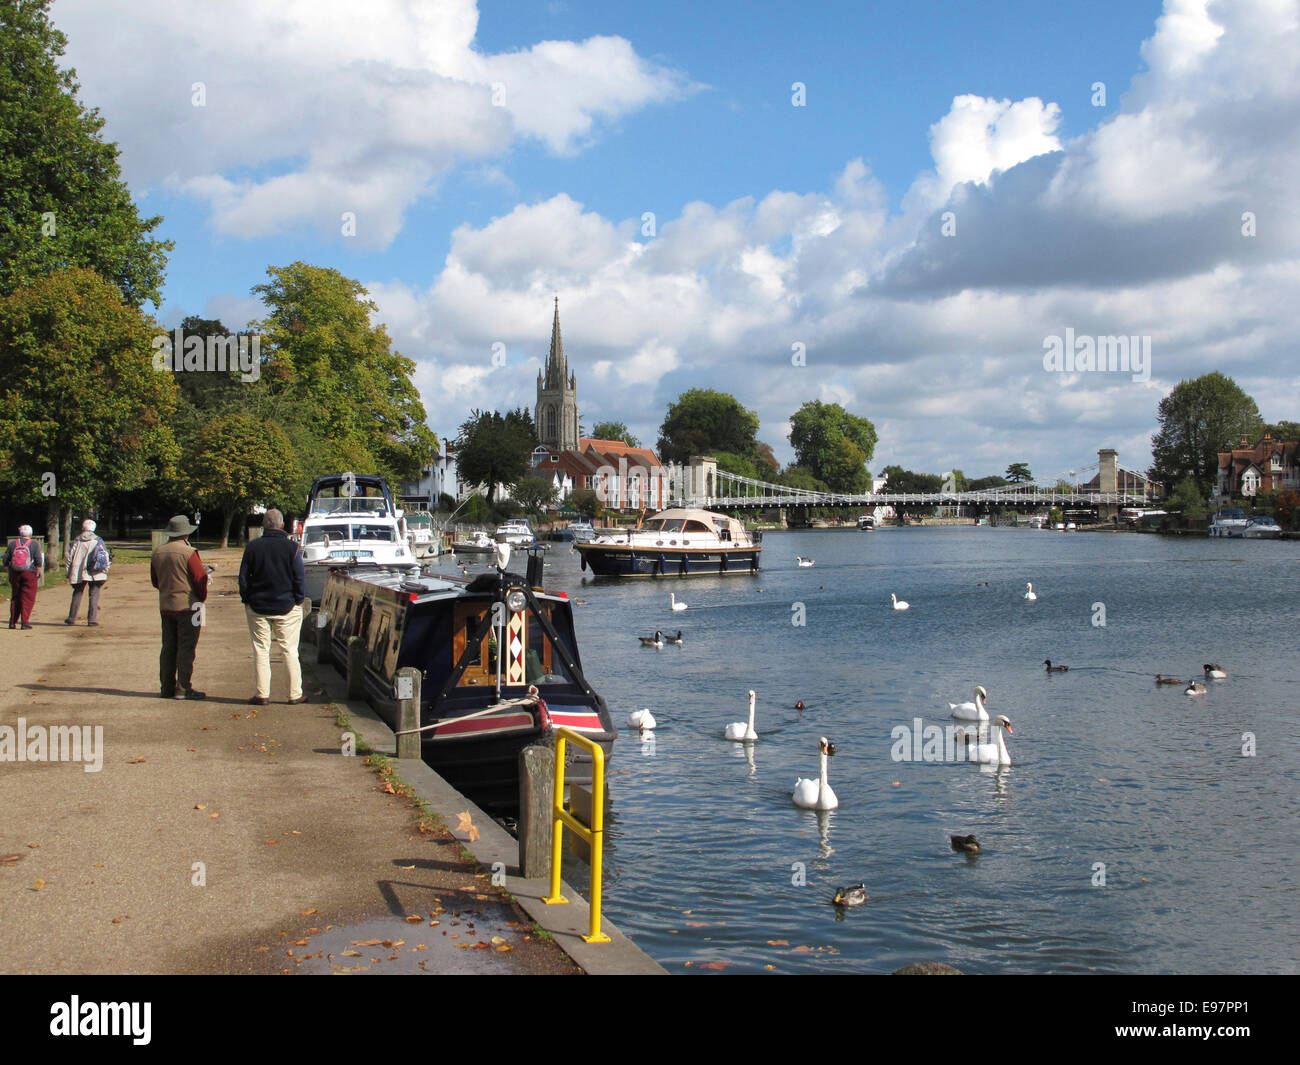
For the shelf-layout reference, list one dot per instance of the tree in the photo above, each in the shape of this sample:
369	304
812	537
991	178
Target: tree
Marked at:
703	421
1018	473
983	484
802	478
493	448
1187	499
1198	419
819	433
765	461
534	494
614	431
62	201
907	481
1283	430
85	412
238	461
586	502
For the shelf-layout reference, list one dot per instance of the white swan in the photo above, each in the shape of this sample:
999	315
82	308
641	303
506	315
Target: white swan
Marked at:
1030	594
971	711
672	599
641	719
817	794
803	561
992	753
899	604
741	730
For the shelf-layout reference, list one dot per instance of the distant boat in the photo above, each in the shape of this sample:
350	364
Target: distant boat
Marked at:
1230	521
866	522
674	543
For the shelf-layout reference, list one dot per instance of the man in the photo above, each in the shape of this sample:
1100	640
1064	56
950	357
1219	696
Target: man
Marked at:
24	561
273	587
182	581
83	573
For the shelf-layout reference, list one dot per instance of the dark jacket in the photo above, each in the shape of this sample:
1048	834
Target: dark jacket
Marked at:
272	580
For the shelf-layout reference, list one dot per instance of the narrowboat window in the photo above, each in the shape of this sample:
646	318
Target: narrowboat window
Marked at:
381	643
470	624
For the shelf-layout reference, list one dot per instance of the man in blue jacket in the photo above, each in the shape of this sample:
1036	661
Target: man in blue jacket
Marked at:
273	587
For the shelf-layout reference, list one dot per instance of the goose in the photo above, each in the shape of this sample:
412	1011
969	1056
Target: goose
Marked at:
672	599
817	794
674	639
992	753
1055	669
965	844
657	640
1215	672
1160	679
1195	687
1030	594
971	711
899	604
805	562
743	731
641	719
850	896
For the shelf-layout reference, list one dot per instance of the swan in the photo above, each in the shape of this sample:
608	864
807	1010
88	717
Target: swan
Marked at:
971	711
803	561
672	599
641	719
657	640
1055	669
850	896
1214	672
817	794
899	604
741	730
1030	594
965	844
1195	687
1161	679
674	639
992	753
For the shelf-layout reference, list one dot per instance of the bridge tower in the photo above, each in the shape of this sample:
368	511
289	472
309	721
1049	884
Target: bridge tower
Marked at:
1108	481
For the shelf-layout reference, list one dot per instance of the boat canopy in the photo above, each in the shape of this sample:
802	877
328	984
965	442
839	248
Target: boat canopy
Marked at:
683	519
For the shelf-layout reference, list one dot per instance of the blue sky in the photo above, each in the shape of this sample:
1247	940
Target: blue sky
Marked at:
497	154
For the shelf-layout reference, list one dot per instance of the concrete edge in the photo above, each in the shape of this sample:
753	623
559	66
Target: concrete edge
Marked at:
566	923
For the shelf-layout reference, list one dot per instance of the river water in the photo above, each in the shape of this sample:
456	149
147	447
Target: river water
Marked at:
1134	831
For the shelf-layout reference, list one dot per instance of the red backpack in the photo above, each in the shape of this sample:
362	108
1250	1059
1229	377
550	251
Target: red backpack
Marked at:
22	556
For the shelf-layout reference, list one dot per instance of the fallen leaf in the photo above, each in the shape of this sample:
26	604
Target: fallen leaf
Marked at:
897	783
270	841
716	965
803	950
366	942
769	966
778	942
415	918
503	948
135	761
466	825
308	913
352	954
201	806
261	950
497	940
697	924
39	884
299	942
406	867
5	859
214	815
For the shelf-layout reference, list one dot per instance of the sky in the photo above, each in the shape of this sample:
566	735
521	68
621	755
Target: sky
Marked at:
930	213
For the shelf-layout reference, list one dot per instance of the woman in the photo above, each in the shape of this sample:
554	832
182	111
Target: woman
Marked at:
24	561
83	573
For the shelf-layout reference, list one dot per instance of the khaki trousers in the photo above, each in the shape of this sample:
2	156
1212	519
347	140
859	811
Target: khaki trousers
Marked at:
284	629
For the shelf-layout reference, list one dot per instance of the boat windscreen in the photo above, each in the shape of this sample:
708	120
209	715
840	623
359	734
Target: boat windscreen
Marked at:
317	534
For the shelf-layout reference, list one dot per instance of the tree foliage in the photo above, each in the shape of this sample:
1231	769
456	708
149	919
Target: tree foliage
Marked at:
1187	499
1019	473
834	444
238	461
534	494
615	431
702	422
62	201
901	480
495	448
1198	419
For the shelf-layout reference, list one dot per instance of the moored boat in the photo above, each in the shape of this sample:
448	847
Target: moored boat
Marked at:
674	543
1230	521
477	543
1262	527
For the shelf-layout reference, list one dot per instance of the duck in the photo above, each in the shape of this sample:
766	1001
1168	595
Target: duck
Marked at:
850	896
1161	679
1214	672
1055	669
971	711
799	706
742	731
899	604
965	844
672	599
805	562
674	639
1195	687
642	720
992	753
657	640
817	794
1030	595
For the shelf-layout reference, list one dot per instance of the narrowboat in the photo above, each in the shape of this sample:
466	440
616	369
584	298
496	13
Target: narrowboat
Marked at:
478	708
674	543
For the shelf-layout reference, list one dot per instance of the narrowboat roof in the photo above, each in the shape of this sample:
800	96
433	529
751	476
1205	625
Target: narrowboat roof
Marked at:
430	588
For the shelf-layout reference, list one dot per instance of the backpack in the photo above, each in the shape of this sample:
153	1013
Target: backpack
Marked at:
100	559
22	556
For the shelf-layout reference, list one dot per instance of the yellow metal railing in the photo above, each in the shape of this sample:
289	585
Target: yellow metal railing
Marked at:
593	834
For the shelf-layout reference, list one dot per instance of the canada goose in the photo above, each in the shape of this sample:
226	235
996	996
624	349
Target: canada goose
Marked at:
1160	679
1195	687
1215	672
657	640
1055	669
674	639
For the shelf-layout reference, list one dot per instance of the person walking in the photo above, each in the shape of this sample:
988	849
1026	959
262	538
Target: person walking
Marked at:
182	581
273	588
24	560
88	564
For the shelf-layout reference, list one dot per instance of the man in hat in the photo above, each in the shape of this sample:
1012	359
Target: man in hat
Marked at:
182	582
273	586
24	561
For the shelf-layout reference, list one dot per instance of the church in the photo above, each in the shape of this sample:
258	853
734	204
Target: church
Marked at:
556	413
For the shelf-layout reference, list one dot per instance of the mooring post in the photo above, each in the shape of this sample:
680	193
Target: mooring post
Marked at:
320	626
536	813
356	666
407	688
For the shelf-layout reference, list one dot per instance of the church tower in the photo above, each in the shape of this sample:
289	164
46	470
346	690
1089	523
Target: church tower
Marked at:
556	414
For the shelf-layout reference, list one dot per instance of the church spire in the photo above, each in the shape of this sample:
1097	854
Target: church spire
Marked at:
557	366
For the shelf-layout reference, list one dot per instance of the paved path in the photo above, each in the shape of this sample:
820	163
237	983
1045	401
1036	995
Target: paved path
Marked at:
302	853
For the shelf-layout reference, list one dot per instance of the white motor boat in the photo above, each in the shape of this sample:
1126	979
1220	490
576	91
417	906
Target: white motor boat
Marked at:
679	542
1262	527
1230	521
516	531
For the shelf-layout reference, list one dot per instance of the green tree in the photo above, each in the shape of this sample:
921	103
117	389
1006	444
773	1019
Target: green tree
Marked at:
1283	430
1188	499
85	411
495	448
901	480
983	484
819	433
801	477
62	201
703	421
1198	419
614	431
1018	473
238	461
586	502
534	494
